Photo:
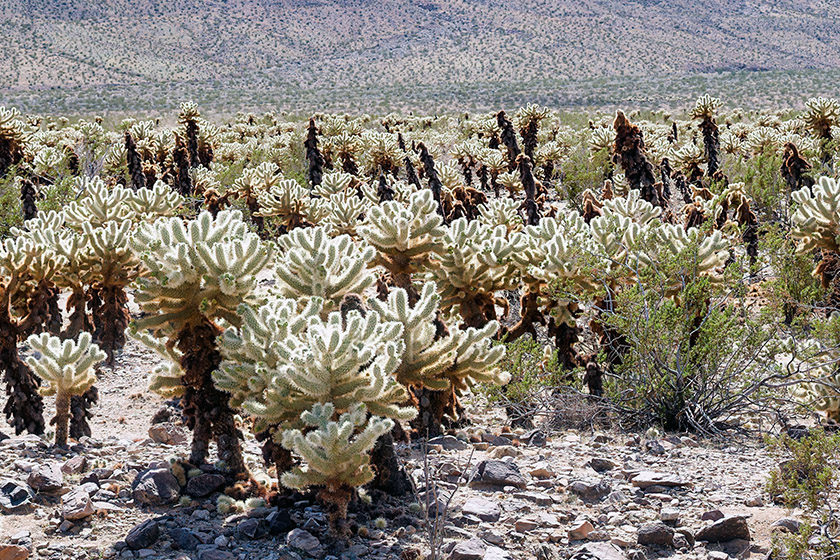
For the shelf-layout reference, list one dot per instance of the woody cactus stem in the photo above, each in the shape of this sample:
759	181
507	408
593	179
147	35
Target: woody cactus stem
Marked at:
711	143
509	139
205	407
665	172
434	181
80	412
795	168
192	142
630	153
135	164
182	162
27	199
114	316
24	408
526	175
313	155
746	218
410	172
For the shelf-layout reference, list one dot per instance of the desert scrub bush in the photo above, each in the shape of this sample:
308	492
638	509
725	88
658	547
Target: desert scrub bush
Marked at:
807	479
792	290
763	182
582	170
199	273
692	360
68	368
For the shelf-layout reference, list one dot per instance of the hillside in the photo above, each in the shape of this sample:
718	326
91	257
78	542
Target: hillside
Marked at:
438	54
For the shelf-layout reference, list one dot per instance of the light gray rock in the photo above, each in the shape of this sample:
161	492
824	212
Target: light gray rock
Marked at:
646	479
76	504
472	549
46	478
485	510
303	540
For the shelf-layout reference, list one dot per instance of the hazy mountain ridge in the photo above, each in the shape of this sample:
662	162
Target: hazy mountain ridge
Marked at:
361	45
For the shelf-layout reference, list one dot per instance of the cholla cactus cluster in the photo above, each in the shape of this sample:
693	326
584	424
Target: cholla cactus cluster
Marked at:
326	299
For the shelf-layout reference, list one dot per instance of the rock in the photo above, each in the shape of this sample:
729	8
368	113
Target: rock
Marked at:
493	537
580	530
724	530
76	505
713	515
669	515
599	551
786	524
201	515
655	534
303	540
156	487
13	552
654	447
215	554
252	528
687	533
496	553
221	541
680	542
46	478
647	478
718	555
15	496
143	535
602	464
754	501
75	465
279	521
483	509
542	471
184	538
450	443
496	474
590	489
204	485
168	434
536	438
525	525
472	549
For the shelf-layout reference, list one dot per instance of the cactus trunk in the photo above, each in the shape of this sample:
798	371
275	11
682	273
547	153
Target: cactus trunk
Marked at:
62	418
114	317
207	409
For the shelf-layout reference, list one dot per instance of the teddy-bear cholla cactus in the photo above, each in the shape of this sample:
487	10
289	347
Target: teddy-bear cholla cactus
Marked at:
199	273
291	204
48	231
336	454
25	268
101	205
407	239
313	264
285	368
816	221
475	264
111	266
68	367
704	110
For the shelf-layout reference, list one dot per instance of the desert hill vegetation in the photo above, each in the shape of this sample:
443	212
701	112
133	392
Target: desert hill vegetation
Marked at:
327	310
82	57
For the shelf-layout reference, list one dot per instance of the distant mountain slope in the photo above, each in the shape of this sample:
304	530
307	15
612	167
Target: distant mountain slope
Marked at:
365	45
